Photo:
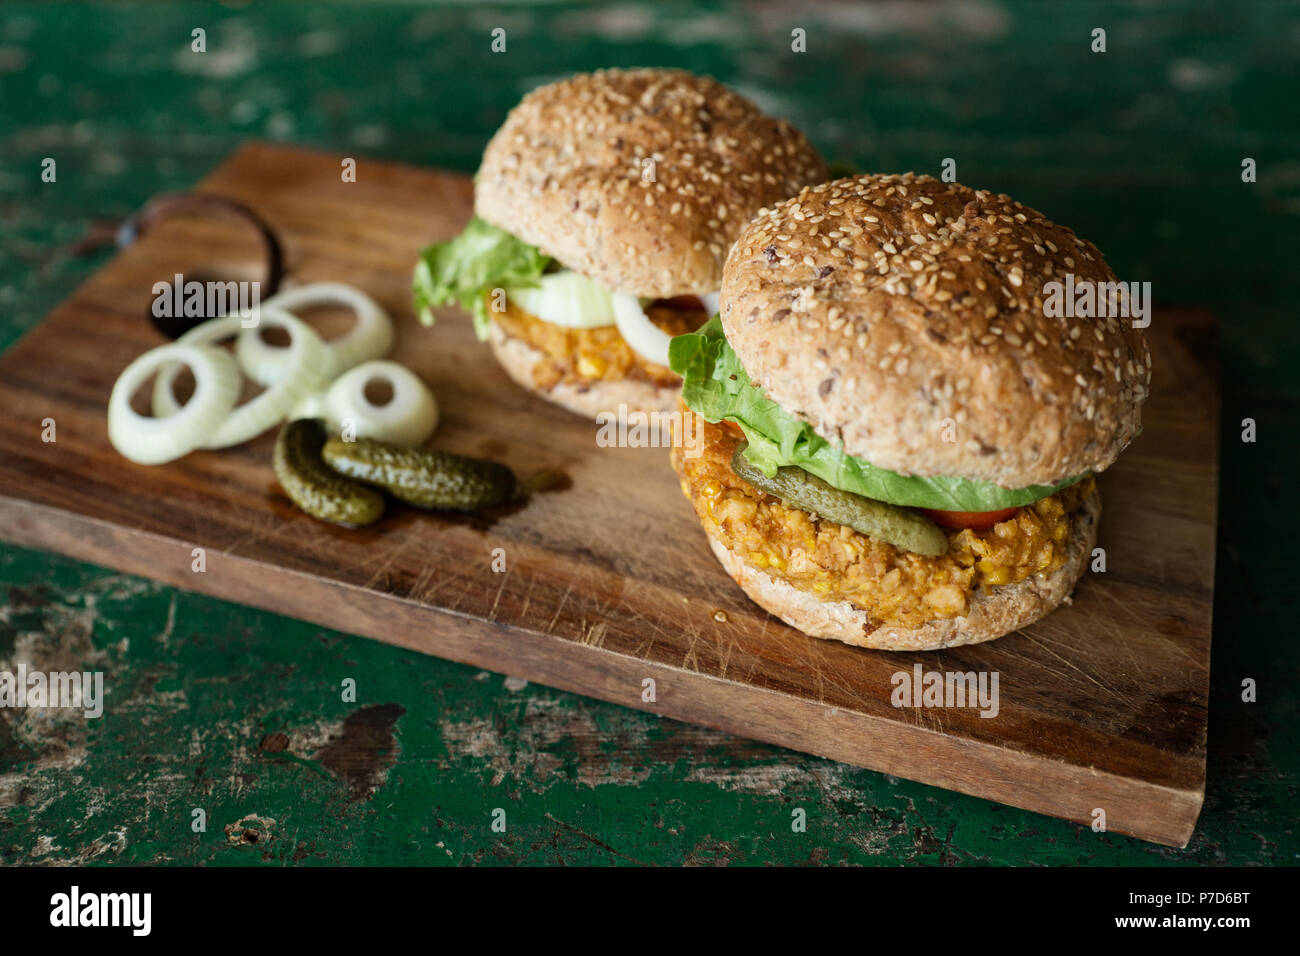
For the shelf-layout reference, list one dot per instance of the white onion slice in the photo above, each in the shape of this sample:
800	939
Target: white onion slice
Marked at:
646	339
152	441
710	300
566	298
370	338
408	418
300	374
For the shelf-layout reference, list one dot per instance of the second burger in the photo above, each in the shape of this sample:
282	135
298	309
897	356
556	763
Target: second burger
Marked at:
604	209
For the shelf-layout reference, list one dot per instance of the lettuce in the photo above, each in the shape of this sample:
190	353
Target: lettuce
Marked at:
466	269
716	386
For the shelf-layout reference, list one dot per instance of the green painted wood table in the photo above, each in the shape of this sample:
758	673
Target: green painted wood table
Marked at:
237	712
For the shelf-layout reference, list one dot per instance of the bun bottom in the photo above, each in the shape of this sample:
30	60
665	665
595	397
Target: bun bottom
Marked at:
519	359
992	613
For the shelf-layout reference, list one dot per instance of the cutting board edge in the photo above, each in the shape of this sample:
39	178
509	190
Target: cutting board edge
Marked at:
228	578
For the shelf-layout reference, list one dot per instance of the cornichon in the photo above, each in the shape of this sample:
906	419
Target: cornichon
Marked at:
900	527
428	479
310	483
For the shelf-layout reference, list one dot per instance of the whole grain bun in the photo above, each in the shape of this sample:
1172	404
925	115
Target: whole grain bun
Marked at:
566	173
904	317
992	613
519	359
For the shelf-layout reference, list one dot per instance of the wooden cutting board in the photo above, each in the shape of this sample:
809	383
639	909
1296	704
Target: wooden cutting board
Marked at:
609	582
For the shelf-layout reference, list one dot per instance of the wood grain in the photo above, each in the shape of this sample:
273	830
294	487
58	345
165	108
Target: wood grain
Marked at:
610	581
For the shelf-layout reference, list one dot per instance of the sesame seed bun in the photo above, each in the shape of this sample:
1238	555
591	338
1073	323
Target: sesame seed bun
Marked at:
992	613
565	173
904	317
519	359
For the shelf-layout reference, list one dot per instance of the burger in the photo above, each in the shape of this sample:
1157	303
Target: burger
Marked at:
898	442
604	210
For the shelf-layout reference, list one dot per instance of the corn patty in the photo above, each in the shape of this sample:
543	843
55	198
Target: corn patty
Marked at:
581	356
835	562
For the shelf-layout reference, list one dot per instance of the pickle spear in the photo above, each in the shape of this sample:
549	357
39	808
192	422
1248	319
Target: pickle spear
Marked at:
312	486
901	527
438	480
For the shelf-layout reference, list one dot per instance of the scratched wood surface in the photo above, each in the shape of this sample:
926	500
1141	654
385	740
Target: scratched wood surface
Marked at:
609	581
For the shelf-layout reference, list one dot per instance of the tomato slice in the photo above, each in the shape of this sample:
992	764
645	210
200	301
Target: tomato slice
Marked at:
969	519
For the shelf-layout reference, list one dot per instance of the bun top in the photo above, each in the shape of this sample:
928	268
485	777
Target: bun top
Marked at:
639	179
904	317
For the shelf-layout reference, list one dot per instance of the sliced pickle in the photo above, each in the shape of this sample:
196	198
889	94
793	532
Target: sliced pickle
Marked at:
438	480
312	486
901	527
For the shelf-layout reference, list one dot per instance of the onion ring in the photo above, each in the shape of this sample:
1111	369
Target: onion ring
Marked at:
370	338
299	376
152	441
645	338
408	418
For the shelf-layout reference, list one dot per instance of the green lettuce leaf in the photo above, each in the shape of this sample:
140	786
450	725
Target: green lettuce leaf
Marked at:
464	270
716	386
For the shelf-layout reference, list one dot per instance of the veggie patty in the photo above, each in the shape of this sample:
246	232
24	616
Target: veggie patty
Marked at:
580	356
836	563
